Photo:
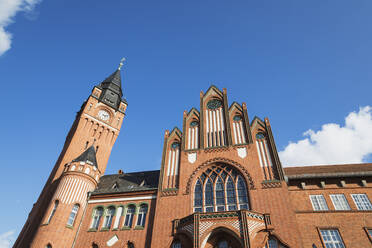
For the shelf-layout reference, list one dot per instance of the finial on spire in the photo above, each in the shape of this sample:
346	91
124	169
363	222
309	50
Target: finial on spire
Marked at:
121	63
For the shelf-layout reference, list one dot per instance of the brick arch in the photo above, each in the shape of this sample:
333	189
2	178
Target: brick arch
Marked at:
207	163
221	228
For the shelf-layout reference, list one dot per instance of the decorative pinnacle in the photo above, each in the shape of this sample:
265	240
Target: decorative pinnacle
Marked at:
121	63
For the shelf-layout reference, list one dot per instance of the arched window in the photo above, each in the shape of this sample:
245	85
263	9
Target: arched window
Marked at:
97	217
71	218
53	211
220	188
275	243
141	219
176	244
110	212
129	216
242	194
223	244
198	197
48	246
209	196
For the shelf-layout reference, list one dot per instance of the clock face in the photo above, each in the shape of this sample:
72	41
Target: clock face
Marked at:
103	115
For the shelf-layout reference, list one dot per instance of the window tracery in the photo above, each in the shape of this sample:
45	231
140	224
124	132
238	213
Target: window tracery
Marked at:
220	188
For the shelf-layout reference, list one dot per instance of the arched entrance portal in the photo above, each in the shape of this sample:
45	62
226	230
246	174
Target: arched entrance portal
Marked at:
222	238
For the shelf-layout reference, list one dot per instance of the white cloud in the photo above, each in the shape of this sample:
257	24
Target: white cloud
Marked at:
6	239
8	10
333	144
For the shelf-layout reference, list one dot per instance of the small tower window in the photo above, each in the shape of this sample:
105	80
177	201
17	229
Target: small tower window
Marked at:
53	211
97	218
71	218
142	215
48	246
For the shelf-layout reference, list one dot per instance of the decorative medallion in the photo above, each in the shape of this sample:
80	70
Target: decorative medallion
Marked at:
214	104
242	152
191	157
112	240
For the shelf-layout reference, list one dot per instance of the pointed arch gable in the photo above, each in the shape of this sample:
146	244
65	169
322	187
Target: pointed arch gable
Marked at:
239	167
193	112
213	90
257	123
235	106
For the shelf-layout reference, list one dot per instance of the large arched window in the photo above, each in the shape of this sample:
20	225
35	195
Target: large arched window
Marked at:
71	218
220	188
141	219
110	212
97	215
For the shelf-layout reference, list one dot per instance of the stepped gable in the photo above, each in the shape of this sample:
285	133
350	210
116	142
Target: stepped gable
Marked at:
128	182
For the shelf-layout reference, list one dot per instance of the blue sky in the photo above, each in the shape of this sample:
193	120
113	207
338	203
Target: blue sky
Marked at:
304	64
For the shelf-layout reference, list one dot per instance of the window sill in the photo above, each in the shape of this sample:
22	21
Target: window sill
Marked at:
45	224
139	228
92	230
104	229
68	226
114	229
125	228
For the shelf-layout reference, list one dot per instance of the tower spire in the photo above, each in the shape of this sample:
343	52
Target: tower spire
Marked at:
111	88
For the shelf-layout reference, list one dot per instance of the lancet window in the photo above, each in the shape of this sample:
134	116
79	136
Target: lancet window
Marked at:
220	188
215	124
264	156
193	136
238	128
53	211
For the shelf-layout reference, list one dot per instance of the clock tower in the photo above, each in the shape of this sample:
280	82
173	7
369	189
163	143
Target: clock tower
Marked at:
82	161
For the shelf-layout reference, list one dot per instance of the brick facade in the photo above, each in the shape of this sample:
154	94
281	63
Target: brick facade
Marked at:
259	204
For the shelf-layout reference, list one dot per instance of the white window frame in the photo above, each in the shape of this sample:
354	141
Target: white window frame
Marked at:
362	201
96	218
331	237
141	216
318	202
339	202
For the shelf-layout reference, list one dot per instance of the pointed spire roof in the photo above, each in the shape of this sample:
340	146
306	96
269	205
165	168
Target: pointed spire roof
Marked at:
113	82
88	156
114	78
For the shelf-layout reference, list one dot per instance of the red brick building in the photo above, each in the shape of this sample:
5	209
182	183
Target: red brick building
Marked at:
220	184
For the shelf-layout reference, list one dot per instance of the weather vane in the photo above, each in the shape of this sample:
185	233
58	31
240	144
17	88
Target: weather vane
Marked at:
121	63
